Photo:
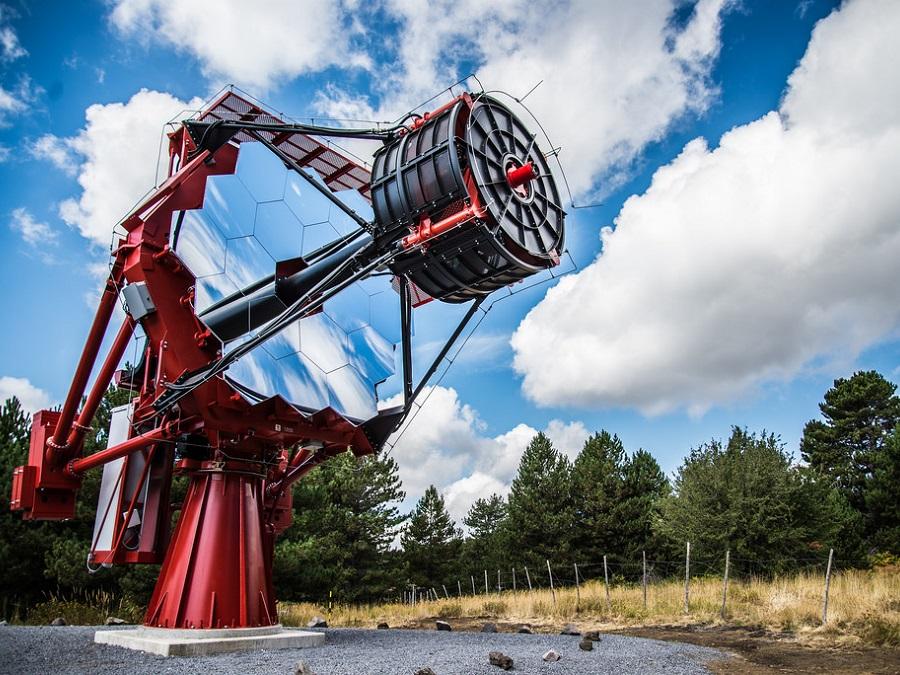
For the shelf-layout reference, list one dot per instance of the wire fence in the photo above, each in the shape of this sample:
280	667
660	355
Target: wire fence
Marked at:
644	573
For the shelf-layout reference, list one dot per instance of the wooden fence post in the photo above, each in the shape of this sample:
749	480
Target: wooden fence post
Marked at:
485	583
528	578
644	578
474	592
414	595
687	578
434	593
514	579
498	581
577	589
606	582
459	587
827	586
725	581
446	594
552	590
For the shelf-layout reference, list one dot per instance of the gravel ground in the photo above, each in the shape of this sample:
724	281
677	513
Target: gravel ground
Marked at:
70	649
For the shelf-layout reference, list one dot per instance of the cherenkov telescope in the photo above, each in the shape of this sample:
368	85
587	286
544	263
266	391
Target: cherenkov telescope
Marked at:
269	283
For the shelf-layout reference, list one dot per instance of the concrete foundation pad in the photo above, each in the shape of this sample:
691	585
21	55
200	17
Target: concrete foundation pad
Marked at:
199	642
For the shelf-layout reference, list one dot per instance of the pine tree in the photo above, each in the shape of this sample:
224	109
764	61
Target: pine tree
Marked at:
597	483
539	523
485	548
643	485
614	497
431	541
486	517
345	519
852	444
860	413
882	502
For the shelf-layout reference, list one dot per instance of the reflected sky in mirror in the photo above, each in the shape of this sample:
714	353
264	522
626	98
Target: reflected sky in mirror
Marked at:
266	213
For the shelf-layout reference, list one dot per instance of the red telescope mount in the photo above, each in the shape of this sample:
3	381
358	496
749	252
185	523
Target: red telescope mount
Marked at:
464	203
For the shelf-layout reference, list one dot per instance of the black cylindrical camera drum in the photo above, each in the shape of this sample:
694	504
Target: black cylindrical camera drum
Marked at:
475	150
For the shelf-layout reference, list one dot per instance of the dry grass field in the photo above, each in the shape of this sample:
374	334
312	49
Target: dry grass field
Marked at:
864	607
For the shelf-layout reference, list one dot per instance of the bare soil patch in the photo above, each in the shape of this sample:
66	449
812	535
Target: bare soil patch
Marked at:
762	652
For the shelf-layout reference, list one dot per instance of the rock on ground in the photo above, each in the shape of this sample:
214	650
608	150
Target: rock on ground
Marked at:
500	660
489	628
586	644
551	655
442	625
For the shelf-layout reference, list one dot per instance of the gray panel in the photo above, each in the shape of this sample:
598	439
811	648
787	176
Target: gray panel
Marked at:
110	485
138	299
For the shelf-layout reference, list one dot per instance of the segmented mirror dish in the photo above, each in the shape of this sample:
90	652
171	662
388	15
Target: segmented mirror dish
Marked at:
264	213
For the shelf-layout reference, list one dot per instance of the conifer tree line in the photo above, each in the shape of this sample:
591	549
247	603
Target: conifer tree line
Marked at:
349	542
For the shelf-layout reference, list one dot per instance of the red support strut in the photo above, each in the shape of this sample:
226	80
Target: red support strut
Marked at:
56	446
79	466
104	377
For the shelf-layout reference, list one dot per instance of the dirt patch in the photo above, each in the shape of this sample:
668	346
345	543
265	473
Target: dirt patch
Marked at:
763	653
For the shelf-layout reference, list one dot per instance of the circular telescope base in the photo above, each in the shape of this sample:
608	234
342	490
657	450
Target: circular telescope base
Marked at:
200	642
217	573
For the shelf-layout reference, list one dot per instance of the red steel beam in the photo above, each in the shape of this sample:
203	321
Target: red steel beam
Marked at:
104	377
427	230
56	445
79	466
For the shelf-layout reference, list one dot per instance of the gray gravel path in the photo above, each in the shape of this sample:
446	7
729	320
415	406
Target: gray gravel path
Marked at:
70	649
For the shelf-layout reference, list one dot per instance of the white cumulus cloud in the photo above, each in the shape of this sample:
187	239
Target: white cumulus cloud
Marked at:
445	445
118	152
745	263
32	398
461	494
615	74
241	43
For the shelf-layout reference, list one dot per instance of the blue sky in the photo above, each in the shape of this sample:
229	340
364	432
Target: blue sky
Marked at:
626	90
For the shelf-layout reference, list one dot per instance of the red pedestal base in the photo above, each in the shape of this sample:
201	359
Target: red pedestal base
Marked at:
218	570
